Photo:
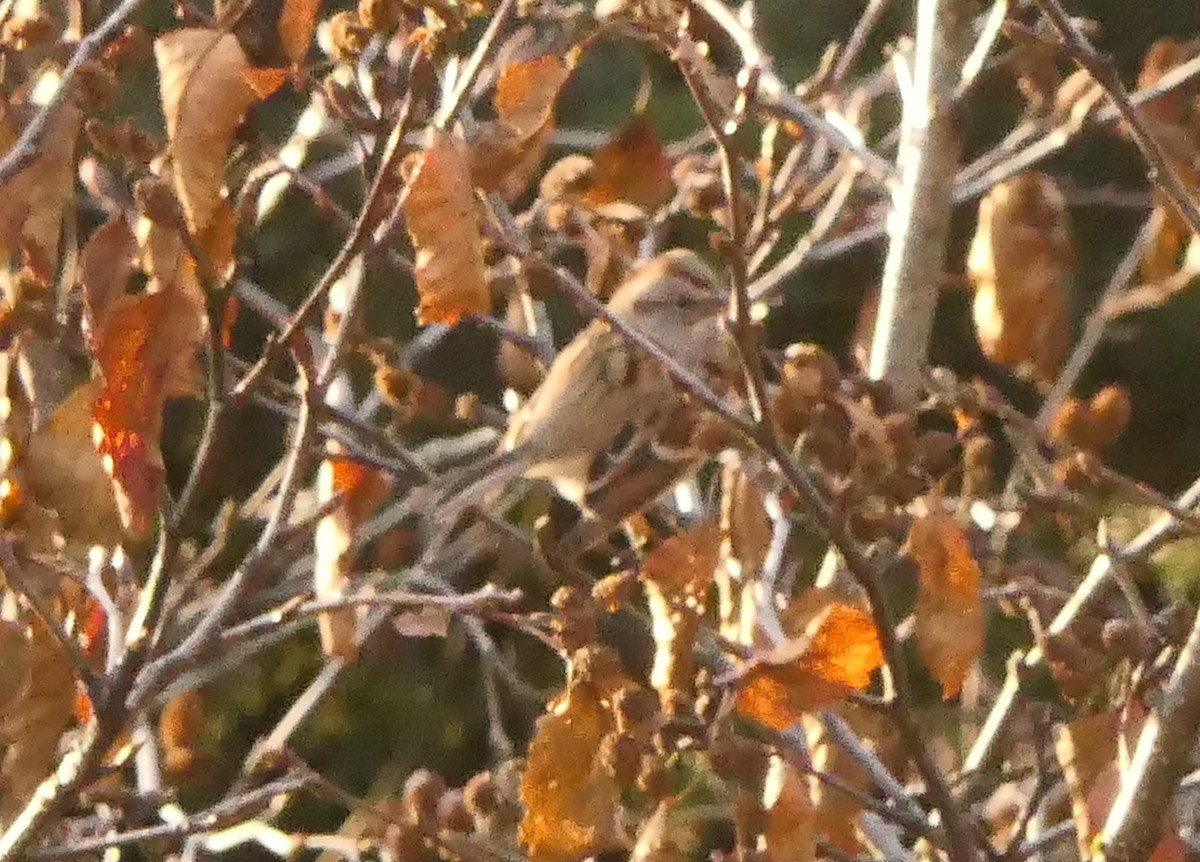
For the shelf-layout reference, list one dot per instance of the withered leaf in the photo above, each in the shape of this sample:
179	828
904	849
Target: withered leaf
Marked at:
950	623
506	152
205	93
36	714
443	224
631	168
32	203
789	834
571	803
836	655
297	22
146	350
63	472
1021	264
678	575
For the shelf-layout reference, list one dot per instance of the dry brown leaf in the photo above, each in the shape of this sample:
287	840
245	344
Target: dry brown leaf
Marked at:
37	714
631	168
443	224
362	490
205	93
830	654
506	153
63	472
747	531
1021	264
106	263
297	22
571	804
33	202
789	834
838	814
678	575
950	623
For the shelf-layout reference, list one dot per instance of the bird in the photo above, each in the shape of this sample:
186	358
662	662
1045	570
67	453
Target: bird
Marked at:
603	392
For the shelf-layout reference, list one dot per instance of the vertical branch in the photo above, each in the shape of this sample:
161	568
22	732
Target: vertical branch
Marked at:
920	215
1135	822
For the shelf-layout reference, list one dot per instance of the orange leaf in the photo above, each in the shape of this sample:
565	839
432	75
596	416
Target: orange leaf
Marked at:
526	92
297	22
264	82
507	152
571	802
632	167
146	351
809	673
950	624
678	575
443	225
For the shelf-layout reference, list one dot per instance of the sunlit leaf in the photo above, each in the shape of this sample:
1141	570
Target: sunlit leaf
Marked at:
571	804
1021	265
505	153
205	93
105	266
950	623
837	655
443	224
33	202
297	22
146	352
63	472
678	575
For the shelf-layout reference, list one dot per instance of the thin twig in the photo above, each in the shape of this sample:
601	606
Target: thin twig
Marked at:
1162	172
1093	330
26	148
1135	822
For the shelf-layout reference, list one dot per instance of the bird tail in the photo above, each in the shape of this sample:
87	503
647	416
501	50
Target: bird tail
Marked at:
472	486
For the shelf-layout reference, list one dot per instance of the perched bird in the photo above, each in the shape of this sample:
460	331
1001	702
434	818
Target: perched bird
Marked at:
603	393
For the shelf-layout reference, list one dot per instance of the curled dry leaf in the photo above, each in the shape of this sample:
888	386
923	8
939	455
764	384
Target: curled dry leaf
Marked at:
678	575
32	203
789	833
572	803
444	227
362	490
105	266
950	622
831	653
1021	265
747	533
297	23
146	350
37	711
507	151
631	168
205	93
63	472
